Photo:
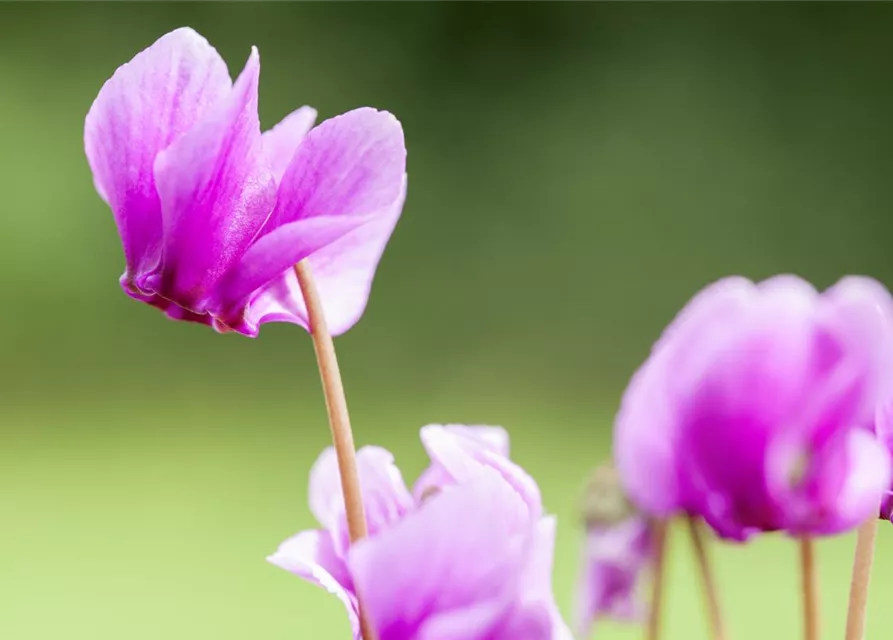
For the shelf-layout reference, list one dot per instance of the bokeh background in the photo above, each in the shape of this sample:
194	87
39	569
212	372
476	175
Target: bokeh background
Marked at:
577	171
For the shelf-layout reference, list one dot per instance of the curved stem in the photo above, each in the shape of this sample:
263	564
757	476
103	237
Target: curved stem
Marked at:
658	571
862	561
810	587
714	617
339	419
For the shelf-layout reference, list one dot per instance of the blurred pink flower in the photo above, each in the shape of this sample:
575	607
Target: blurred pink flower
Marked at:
755	408
618	549
469	557
615	556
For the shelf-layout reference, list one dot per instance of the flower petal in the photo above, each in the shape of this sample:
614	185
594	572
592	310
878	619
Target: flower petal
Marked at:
216	193
435	476
311	555
354	167
460	555
846	483
459	453
867	482
344	270
385	496
282	141
536	581
861	312
281	300
145	106
647	426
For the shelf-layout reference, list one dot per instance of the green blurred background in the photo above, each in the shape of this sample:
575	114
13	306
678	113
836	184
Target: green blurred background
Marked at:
577	171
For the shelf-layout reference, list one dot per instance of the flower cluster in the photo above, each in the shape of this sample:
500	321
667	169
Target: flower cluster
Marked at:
465	555
763	407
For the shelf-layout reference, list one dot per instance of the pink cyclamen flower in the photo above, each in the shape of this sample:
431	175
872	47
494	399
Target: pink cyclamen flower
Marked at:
469	557
755	408
213	214
617	551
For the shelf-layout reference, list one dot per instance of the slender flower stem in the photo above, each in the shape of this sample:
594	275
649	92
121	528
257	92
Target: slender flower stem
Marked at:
810	587
339	419
714	617
658	577
862	560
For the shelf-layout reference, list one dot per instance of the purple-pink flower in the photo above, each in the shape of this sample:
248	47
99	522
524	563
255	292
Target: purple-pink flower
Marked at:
213	214
755	408
466	555
615	557
617	552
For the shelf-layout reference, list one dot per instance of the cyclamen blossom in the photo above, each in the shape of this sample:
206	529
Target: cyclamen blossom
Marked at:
755	408
617	551
467	555
213	214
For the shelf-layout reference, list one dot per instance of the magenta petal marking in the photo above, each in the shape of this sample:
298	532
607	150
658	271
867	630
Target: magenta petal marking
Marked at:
216	192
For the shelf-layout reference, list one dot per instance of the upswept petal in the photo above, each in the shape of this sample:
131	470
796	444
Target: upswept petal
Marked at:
281	300
860	310
145	106
343	270
435	476
216	193
385	496
459	556
352	166
647	436
647	428
458	454
311	555
282	141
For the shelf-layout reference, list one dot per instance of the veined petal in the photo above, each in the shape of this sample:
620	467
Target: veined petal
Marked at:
311	555
281	300
216	192
647	426
343	270
435	476
385	496
459	454
353	167
460	555
145	106
282	141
